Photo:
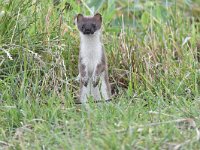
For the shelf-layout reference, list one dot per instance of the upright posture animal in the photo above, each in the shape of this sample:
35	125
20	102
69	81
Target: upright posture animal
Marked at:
93	70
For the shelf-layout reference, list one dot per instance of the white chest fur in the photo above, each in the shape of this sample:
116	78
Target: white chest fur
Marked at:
91	51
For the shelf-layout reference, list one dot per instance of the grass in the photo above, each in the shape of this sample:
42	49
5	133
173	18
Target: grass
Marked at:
153	51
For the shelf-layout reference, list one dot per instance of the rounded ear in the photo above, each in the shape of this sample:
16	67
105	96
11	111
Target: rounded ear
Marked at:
79	17
98	17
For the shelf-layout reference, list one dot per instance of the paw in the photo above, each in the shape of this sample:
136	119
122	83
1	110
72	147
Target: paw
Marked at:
85	80
95	80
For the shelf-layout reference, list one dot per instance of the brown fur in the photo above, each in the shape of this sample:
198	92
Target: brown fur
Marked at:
102	66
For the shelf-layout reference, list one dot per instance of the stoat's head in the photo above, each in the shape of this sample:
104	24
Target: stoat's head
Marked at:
88	25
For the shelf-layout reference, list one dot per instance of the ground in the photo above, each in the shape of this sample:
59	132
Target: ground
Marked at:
153	52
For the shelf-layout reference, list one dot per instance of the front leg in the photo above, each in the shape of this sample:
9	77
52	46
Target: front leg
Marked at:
97	73
83	75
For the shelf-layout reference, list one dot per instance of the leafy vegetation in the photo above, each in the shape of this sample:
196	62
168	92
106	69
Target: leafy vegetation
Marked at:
153	50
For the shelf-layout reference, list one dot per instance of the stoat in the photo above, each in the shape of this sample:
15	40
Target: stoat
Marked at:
93	70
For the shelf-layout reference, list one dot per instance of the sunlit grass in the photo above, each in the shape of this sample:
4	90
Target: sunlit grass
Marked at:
153	51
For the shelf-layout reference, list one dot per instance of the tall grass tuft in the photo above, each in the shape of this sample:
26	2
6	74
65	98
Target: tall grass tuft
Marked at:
153	50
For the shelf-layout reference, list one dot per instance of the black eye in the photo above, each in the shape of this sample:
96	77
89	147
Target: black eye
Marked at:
93	25
83	26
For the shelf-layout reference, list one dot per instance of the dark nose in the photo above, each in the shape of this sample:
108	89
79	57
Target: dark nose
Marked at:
88	31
